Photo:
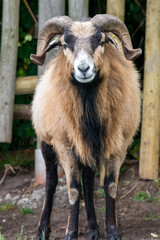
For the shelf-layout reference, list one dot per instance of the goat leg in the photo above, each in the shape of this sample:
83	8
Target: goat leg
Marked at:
74	199
110	188
88	186
51	183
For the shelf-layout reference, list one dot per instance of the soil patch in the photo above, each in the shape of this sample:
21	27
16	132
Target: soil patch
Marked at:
137	219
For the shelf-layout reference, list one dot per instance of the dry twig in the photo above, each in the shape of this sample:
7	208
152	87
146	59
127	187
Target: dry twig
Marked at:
127	193
140	25
30	11
7	168
142	9
149	195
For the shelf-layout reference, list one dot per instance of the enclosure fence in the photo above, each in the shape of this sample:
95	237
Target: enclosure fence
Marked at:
11	86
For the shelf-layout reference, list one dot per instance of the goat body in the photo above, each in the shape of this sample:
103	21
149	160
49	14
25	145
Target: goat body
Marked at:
82	124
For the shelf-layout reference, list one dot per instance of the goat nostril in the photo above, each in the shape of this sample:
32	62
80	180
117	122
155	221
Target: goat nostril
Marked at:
83	68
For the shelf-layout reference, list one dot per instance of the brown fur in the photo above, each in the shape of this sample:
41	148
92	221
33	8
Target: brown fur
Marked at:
57	107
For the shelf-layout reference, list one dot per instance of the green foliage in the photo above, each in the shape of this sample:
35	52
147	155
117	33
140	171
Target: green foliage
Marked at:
134	149
151	218
26	211
6	207
102	210
142	196
100	193
158	200
123	169
15	160
1	237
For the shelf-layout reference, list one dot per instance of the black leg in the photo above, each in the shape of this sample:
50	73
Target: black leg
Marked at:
88	186
111	228
51	182
72	228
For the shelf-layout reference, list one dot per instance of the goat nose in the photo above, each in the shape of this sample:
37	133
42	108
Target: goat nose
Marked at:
83	68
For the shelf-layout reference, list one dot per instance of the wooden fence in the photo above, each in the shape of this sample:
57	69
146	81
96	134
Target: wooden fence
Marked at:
149	150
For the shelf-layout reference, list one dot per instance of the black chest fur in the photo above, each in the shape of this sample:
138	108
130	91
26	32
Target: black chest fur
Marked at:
91	125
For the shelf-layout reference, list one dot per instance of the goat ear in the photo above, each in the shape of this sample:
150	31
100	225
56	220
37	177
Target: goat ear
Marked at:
40	59
130	53
108	39
53	43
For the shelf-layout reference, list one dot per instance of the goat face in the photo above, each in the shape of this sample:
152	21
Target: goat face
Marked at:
82	43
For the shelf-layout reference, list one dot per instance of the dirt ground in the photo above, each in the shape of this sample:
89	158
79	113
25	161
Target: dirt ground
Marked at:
137	220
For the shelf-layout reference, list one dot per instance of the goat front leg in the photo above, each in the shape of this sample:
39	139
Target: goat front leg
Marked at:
74	199
110	187
51	183
88	186
72	171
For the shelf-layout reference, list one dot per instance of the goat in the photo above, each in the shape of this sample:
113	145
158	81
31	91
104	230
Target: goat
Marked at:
86	110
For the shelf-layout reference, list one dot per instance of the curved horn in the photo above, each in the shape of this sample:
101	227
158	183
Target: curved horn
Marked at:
109	23
52	27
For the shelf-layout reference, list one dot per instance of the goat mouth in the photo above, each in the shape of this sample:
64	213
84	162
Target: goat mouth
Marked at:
84	80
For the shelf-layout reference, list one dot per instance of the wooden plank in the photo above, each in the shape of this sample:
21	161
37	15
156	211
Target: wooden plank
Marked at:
149	152
78	8
22	111
10	31
26	85
116	8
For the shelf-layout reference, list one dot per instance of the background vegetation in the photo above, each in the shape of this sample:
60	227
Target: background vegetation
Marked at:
23	133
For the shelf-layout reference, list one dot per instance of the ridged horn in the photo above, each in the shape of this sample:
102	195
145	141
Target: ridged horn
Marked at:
109	23
54	26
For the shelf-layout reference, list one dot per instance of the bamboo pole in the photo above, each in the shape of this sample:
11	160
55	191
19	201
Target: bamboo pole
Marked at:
116	8
78	8
9	43
26	85
149	151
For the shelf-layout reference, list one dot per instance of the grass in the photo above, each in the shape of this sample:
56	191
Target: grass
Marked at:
1	237
151	218
26	211
142	196
6	207
100	193
19	236
158	200
16	159
123	169
102	210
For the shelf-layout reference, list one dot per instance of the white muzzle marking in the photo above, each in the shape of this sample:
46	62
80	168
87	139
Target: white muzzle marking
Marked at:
84	69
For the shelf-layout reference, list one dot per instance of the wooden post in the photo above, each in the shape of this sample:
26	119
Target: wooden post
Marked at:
116	8
149	152
78	8
47	10
10	31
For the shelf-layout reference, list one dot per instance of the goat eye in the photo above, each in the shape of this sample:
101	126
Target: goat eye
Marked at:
102	43
65	45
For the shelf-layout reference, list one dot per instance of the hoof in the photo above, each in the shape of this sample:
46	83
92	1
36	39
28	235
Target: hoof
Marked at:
43	232
71	236
112	233
93	234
